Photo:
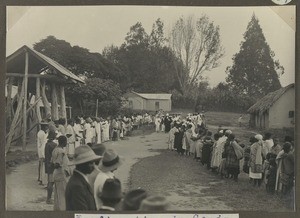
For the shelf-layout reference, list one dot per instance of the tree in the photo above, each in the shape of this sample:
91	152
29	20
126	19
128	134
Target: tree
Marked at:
137	36
78	60
197	45
145	60
157	37
254	72
85	96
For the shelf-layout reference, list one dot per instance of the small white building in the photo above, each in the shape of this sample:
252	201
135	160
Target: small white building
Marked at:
275	110
148	101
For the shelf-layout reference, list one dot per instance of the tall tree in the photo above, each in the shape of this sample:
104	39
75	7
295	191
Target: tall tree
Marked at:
254	71
197	44
145	59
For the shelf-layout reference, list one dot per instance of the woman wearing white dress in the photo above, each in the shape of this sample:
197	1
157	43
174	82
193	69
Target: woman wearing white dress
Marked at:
88	131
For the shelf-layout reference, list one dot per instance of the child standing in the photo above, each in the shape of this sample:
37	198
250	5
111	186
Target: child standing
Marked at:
271	177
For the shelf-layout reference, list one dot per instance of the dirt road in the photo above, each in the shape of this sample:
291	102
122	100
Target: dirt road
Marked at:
147	164
24	193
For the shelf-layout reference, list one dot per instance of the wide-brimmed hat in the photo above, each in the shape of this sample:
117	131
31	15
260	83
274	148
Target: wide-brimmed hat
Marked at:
111	189
154	203
99	149
84	154
133	199
110	161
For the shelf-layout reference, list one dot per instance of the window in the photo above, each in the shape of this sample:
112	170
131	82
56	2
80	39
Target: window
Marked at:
291	114
156	105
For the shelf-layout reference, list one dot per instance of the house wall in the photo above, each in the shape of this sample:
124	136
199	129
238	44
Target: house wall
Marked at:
163	104
138	103
279	112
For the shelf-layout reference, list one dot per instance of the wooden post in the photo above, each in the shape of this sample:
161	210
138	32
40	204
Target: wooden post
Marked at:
15	119
37	96
97	108
54	102
25	101
9	102
63	109
45	100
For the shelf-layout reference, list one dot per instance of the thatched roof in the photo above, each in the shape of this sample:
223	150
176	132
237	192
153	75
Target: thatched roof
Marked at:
267	101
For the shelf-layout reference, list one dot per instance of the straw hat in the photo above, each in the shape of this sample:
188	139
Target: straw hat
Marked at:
84	154
133	199
154	203
111	189
110	161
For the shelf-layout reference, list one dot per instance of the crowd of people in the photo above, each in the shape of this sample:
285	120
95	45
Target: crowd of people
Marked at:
77	168
263	158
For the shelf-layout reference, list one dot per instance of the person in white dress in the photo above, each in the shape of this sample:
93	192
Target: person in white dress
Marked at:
98	130
157	123
78	133
70	133
88	131
105	126
42	136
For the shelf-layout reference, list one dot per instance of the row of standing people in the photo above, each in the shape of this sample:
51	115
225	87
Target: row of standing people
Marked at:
88	181
264	159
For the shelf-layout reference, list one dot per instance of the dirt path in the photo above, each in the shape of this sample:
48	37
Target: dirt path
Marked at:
24	193
180	179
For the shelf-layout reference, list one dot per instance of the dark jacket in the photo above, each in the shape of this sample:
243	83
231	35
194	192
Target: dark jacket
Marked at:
79	194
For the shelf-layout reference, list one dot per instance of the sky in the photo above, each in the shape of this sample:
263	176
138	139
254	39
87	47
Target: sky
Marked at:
95	27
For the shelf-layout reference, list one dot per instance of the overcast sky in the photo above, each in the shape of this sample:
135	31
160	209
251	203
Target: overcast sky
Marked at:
95	27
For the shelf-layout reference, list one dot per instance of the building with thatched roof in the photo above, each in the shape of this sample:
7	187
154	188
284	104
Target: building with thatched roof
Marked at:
148	101
275	110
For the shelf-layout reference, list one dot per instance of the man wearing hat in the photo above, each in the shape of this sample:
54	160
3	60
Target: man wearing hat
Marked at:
79	194
133	199
99	150
154	203
110	162
111	194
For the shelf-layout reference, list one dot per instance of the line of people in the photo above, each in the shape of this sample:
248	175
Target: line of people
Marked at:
81	176
264	159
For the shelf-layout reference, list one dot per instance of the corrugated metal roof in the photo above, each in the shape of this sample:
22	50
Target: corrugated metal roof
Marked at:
153	96
45	60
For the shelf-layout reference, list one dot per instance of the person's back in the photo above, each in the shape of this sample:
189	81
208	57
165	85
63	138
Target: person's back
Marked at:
79	194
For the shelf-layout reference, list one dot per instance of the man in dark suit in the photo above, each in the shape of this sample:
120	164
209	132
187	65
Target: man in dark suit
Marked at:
79	194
